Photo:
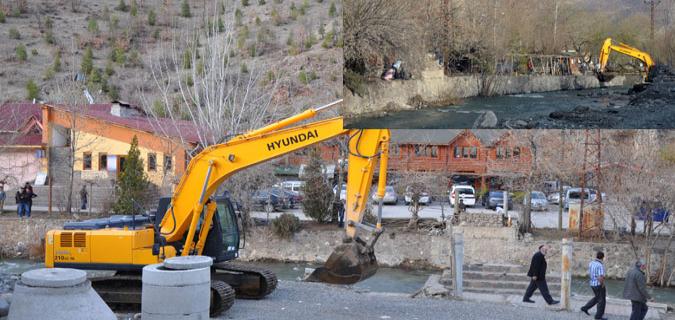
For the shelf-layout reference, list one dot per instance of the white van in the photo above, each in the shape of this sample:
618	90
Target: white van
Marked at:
294	185
573	195
467	194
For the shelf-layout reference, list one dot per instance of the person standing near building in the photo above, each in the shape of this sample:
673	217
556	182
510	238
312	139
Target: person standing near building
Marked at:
21	203
537	274
30	195
3	196
596	273
83	197
635	290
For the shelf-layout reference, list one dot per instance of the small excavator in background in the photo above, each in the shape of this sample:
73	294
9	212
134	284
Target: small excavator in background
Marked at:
608	46
193	221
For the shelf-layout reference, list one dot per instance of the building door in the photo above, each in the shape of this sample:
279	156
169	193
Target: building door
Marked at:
120	166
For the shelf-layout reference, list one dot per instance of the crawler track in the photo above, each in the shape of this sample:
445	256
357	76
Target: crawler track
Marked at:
248	281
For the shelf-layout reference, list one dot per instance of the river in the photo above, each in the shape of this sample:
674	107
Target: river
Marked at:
385	280
601	108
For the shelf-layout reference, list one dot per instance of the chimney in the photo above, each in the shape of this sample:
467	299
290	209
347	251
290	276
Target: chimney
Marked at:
124	110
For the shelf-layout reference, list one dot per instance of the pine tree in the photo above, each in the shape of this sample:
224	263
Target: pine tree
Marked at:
32	90
152	17
332	11
318	194
132	183
87	61
185	9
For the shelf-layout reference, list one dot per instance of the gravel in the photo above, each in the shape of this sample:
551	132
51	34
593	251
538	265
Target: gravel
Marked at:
299	300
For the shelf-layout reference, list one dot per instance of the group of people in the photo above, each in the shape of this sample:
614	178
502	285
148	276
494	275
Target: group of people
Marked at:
24	200
635	286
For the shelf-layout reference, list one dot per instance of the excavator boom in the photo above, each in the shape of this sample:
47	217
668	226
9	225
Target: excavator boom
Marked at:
609	46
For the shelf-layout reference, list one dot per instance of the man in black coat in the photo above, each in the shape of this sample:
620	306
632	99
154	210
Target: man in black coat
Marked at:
537	274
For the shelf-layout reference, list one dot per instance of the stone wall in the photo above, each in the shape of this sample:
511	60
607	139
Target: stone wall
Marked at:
482	219
433	86
483	245
23	238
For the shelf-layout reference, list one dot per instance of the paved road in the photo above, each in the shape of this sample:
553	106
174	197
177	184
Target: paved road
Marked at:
299	301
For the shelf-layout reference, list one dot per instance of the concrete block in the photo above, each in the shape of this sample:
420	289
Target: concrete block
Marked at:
53	297
181	293
4	308
188	262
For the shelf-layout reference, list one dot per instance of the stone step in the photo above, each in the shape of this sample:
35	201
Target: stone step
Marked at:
506	268
499	276
490	284
503	291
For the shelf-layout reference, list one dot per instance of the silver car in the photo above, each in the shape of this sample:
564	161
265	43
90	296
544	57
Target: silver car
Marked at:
537	201
390	196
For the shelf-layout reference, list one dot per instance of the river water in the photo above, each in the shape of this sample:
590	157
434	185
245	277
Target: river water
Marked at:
385	280
606	108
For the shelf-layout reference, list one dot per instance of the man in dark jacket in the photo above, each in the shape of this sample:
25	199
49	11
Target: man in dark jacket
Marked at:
537	274
635	290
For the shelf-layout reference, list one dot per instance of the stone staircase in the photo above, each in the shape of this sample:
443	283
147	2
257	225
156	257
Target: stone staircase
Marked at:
498	279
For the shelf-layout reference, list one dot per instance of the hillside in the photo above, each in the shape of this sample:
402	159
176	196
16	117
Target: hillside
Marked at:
46	42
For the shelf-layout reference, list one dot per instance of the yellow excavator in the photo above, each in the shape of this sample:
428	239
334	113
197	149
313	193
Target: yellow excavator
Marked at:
193	221
608	46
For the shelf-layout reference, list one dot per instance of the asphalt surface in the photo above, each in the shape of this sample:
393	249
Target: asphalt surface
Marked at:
300	300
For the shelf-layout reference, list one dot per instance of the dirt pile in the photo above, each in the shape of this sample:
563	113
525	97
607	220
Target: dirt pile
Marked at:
659	93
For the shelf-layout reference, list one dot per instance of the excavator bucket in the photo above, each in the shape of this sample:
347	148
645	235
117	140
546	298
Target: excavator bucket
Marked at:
349	263
605	76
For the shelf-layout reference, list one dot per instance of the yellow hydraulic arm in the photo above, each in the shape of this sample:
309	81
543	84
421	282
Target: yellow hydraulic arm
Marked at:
216	163
609	46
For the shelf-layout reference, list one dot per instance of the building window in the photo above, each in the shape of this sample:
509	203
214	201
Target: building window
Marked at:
434	151
168	163
102	162
86	161
152	162
458	152
500	153
394	150
466	151
516	152
474	152
419	151
508	153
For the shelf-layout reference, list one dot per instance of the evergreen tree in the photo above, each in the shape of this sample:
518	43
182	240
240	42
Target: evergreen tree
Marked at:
32	90
87	61
152	17
132	183
185	9
332	11
318	193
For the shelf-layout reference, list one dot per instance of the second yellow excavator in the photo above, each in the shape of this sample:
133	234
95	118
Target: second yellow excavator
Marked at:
608	46
193	221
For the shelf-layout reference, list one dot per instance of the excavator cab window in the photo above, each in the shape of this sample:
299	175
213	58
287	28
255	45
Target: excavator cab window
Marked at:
228	223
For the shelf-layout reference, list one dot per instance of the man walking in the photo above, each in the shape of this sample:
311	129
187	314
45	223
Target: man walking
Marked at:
537	274
635	290
596	272
83	197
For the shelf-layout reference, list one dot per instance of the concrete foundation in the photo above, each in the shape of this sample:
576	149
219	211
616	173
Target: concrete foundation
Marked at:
178	289
57	294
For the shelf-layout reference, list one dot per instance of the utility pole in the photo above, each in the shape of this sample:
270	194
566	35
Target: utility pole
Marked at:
652	10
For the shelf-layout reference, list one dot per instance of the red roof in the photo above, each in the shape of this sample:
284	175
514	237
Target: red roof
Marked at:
14	116
21	124
161	126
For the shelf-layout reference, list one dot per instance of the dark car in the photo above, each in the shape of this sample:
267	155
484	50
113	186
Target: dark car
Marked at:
270	199
494	199
292	198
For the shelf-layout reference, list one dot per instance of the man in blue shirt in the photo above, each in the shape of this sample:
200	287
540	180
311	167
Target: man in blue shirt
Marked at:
596	273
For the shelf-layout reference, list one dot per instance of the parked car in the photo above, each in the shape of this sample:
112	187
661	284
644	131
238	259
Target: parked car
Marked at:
467	194
293	185
573	195
538	201
269	199
425	198
390	196
494	199
292	198
554	196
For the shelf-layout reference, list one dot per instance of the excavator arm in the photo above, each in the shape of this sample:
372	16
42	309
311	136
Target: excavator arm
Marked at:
609	46
191	210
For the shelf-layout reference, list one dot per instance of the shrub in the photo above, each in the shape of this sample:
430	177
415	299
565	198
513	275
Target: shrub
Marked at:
152	17
56	66
109	68
14	34
187	59
294	11
21	52
185	9
87	61
2	16
34	52
32	90
309	41
134	8
305	78
92	26
244	3
285	225
238	16
49	37
244	68
332	11
122	6
49	23
261	2
276	18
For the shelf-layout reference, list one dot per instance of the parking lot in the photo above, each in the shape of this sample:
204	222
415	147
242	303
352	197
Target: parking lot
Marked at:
540	219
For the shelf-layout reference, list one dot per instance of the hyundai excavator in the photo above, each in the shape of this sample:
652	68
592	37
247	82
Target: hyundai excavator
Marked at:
194	221
609	46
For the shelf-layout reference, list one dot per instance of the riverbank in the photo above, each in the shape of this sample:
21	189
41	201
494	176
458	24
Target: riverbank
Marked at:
382	97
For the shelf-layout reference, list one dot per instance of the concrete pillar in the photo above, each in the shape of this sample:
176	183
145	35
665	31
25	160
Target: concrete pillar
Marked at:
506	203
180	288
566	273
57	293
458	253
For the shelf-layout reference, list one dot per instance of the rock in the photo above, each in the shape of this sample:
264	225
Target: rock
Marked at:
434	289
487	120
